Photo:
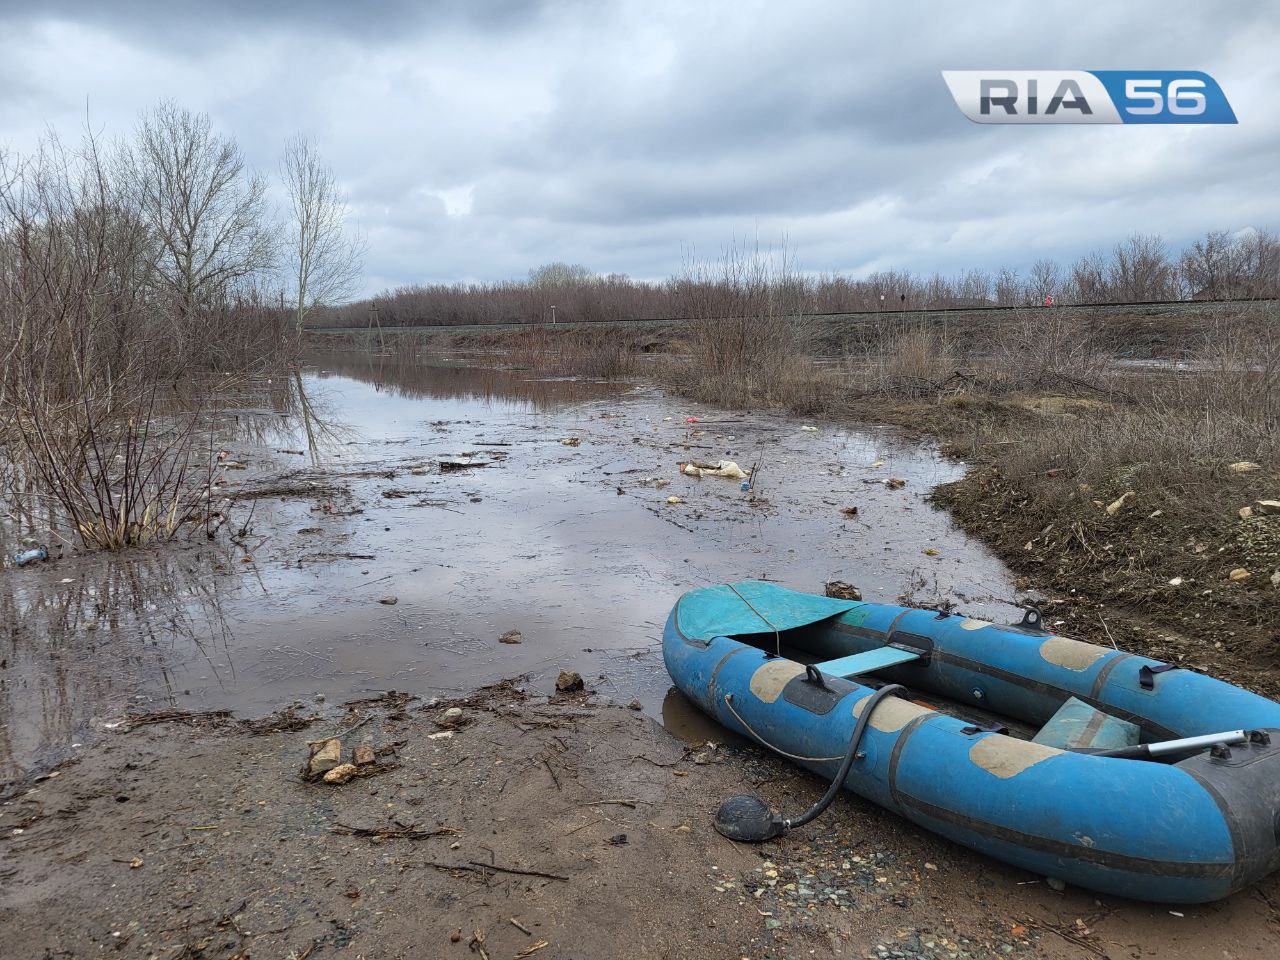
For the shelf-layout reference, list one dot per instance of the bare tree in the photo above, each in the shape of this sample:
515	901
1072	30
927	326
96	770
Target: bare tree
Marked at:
1045	281
558	274
1089	278
1140	271
324	260
205	210
1257	265
1008	288
1208	266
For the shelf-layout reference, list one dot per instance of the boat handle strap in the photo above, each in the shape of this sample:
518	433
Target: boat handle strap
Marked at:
1147	674
814	676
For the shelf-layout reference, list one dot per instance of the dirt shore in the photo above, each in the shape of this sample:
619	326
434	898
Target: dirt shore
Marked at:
551	828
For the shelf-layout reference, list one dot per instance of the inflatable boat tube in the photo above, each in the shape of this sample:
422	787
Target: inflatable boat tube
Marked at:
793	671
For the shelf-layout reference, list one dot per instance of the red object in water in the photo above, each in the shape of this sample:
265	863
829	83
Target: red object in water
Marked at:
690	419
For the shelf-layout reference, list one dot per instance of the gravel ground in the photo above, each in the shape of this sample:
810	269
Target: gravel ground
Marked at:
525	827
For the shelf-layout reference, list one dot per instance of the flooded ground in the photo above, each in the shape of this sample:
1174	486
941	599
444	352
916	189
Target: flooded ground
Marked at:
575	547
495	821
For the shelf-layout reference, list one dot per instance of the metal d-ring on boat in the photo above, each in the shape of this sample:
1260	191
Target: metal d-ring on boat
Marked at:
1118	777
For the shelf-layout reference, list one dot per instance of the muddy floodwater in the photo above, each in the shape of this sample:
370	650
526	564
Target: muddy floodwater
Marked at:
421	511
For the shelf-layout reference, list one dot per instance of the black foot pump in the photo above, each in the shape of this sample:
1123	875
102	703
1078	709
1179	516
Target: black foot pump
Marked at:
749	818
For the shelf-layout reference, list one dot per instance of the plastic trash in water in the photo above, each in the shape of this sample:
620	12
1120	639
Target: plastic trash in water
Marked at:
724	468
745	486
30	556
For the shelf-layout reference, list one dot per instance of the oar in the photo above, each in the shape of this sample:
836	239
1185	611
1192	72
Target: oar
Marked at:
1145	751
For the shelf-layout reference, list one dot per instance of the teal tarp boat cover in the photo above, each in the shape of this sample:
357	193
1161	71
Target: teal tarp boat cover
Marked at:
722	612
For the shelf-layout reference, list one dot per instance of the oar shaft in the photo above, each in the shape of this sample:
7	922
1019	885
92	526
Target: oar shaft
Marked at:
1142	751
1196	743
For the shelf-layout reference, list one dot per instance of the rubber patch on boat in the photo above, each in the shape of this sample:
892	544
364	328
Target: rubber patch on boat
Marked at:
971	624
892	714
1007	757
771	676
1072	654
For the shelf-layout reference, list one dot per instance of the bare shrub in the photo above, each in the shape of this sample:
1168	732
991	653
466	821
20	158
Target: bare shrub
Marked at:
120	474
1240	362
1039	348
606	354
1177	428
907	359
124	281
746	335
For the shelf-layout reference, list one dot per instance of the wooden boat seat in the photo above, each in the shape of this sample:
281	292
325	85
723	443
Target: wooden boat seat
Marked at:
1078	726
869	661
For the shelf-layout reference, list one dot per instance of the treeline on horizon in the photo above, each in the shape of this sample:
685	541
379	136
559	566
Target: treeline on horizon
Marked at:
1140	269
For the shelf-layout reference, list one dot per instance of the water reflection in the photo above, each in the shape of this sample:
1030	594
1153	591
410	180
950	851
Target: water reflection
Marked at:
574	545
460	380
72	647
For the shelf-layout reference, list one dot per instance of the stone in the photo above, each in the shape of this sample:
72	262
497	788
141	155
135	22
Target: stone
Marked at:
840	590
362	755
1245	513
1115	506
451	716
341	773
389	600
569	681
511	636
1244	466
1239	575
325	755
1267	507
1275	579
635	705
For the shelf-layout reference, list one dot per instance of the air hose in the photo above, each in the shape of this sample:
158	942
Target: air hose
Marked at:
749	818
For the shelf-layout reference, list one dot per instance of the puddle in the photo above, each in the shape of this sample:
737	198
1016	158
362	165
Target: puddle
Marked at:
568	545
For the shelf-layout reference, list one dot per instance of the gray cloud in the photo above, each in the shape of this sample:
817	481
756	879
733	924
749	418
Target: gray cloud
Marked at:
479	139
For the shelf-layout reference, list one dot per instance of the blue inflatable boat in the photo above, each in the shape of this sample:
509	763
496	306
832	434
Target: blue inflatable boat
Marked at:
1081	763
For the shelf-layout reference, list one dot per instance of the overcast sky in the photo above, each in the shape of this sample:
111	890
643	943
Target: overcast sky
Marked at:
478	139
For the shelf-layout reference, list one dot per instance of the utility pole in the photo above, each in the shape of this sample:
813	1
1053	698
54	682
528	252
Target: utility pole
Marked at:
553	314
